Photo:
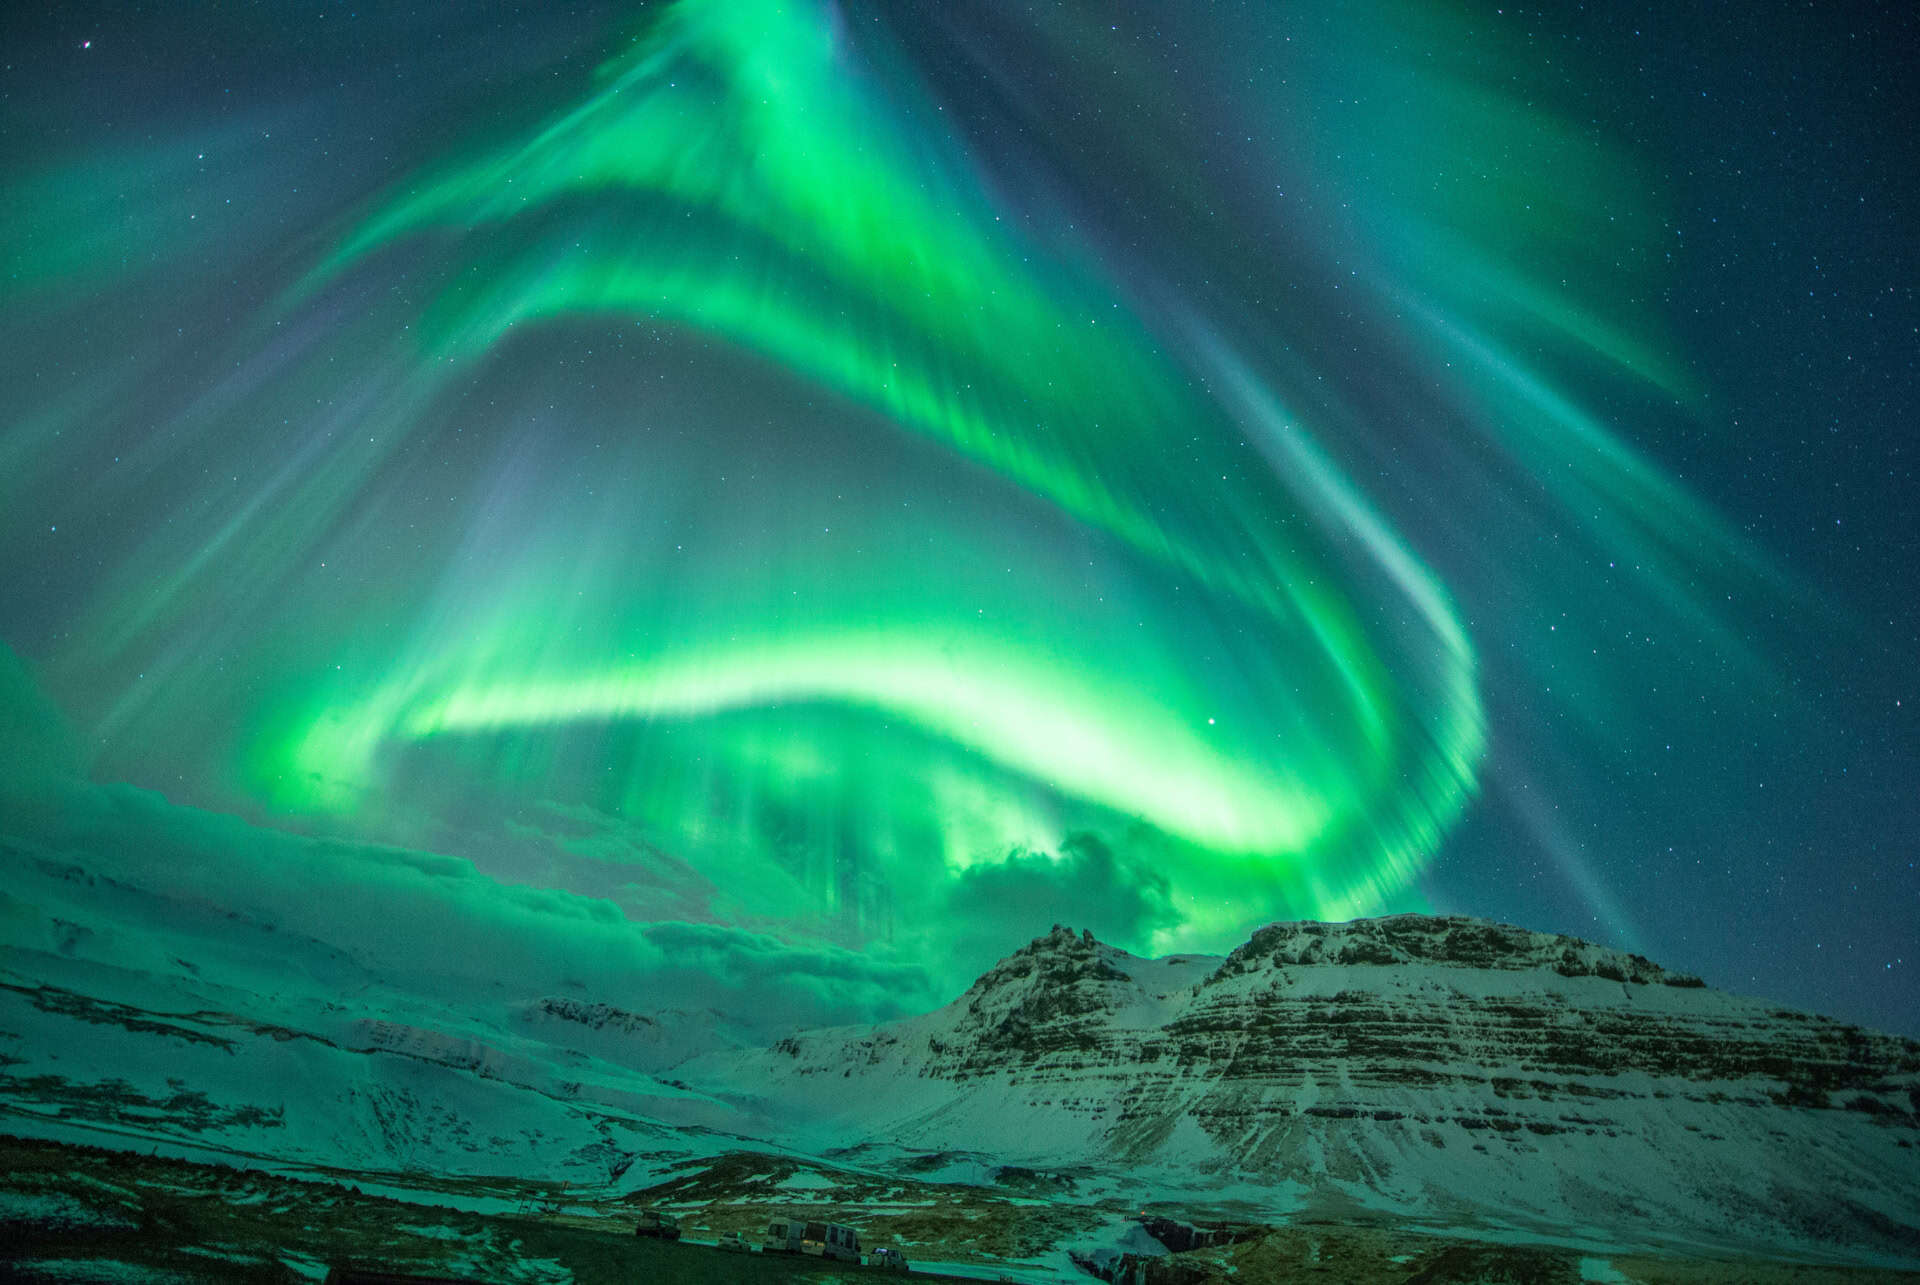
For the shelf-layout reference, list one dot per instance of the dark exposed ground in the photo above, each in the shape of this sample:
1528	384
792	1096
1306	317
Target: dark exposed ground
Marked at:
78	1213
72	1213
1346	1255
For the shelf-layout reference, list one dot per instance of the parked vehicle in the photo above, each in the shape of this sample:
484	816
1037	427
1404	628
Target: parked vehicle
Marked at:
657	1225
734	1243
887	1258
827	1240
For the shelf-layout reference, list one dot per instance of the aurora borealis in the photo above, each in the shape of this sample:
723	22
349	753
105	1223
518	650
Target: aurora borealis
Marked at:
843	487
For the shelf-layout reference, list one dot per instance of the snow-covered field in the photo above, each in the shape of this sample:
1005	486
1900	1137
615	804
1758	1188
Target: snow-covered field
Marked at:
1443	1080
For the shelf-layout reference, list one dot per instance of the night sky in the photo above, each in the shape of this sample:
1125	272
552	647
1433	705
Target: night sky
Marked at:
775	504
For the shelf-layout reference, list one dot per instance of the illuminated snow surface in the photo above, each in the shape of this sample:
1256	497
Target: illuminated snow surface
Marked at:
1448	1076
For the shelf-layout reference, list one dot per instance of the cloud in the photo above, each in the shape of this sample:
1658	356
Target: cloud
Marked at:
1087	885
797	984
122	876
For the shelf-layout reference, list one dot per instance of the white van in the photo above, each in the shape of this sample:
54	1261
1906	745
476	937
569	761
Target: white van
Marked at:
828	1240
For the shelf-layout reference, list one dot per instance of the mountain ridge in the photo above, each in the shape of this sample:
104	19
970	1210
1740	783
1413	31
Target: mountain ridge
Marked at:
1432	1073
1420	1067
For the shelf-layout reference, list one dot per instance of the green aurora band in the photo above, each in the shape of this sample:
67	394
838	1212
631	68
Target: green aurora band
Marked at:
729	474
736	175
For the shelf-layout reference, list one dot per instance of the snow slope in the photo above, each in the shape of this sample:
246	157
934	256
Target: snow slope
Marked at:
1442	1073
1452	1071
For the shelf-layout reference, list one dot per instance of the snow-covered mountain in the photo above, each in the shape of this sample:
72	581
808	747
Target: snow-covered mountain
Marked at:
1448	1071
1438	1074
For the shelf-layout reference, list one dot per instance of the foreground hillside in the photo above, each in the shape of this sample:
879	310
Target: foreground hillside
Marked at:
71	1213
1391	1099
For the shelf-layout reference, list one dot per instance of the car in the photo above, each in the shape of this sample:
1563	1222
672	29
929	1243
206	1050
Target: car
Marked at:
823	1240
657	1226
887	1258
734	1243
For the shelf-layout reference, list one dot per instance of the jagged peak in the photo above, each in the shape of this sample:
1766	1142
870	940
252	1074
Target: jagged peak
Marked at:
1060	957
1067	961
1062	976
1458	941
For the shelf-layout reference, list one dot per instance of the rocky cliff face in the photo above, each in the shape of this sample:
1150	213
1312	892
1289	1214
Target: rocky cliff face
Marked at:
1445	1069
1433	1074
